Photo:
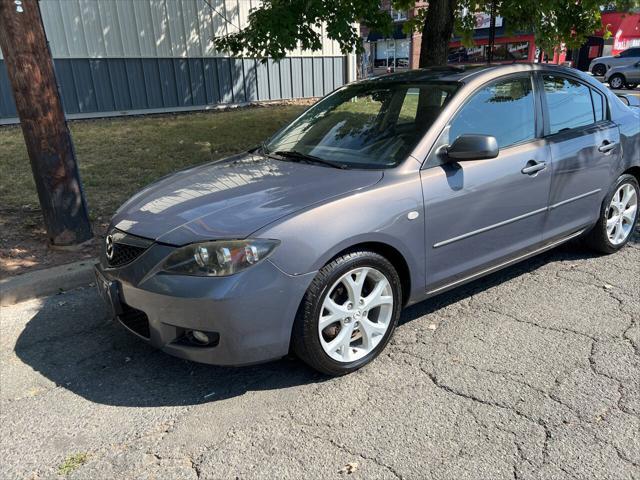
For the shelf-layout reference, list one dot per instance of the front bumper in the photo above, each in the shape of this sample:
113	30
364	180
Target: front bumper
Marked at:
250	314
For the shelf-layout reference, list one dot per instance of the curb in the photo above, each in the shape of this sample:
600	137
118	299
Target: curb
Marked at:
46	282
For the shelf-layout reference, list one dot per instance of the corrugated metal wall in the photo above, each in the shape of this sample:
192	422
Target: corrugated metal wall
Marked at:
137	55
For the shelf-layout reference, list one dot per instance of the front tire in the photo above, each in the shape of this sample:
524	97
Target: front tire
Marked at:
348	314
617	81
618	217
599	70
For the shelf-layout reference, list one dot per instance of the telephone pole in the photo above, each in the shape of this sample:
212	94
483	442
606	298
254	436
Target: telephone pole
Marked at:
46	134
492	32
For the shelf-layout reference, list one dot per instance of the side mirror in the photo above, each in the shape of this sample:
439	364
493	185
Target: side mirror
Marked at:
629	100
472	147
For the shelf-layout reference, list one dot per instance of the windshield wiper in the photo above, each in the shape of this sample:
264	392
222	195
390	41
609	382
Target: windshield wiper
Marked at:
299	156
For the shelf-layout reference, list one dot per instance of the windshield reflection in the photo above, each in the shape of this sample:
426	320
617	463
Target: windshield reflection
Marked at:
366	125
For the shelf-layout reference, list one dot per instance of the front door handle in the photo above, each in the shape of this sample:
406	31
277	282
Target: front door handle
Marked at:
533	167
606	147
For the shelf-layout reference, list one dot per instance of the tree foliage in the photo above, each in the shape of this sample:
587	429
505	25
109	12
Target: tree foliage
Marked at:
278	26
555	22
281	25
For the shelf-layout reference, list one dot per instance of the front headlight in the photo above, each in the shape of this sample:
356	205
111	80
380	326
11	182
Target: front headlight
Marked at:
219	258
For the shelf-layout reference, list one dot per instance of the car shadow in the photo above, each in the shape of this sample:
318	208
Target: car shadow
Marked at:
72	342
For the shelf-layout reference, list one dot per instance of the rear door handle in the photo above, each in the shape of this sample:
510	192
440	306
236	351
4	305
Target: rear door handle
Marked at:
533	167
606	147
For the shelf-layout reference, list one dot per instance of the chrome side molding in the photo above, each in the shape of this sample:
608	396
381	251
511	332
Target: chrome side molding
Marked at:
515	219
507	263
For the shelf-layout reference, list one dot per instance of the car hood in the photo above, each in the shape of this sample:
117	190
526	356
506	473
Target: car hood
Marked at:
232	198
602	59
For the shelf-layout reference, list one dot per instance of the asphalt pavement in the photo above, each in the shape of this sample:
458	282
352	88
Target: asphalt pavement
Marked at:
531	373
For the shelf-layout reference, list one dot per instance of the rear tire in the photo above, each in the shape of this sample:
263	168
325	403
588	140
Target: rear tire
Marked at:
599	70
335	299
610	235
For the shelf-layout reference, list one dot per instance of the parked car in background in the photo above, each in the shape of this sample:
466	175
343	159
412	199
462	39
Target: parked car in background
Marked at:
600	66
624	76
385	193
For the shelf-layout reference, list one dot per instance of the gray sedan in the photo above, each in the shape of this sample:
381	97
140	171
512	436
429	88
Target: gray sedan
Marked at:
383	194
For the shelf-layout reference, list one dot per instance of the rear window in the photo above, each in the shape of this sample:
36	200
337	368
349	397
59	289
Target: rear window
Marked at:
569	103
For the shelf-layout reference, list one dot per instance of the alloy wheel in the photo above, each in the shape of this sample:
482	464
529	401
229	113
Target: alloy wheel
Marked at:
616	82
621	214
355	314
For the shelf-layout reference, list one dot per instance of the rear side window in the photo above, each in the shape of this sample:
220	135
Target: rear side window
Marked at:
598	105
504	109
569	103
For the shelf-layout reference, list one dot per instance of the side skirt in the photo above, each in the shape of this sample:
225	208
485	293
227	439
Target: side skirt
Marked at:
500	266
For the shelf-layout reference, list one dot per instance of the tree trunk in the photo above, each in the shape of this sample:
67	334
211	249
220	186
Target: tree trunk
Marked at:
436	32
45	130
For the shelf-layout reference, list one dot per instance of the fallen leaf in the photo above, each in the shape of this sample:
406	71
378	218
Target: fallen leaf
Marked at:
349	468
432	326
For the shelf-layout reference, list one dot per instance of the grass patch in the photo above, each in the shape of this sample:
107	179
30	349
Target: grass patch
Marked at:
72	462
119	156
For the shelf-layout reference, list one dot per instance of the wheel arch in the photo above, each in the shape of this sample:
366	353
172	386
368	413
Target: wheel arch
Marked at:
598	64
389	252
635	171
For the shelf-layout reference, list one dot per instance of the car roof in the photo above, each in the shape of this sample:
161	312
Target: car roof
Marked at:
463	73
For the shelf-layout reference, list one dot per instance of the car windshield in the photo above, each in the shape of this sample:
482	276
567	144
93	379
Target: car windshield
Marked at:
369	125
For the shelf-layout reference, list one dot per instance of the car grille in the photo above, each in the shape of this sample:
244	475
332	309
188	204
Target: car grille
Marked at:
122	248
123	254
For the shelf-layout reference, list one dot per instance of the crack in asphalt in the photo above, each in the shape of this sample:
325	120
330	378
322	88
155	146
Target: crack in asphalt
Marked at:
538	325
533	429
620	303
344	447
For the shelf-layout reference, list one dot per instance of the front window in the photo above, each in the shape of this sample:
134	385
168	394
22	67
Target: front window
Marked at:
505	110
631	52
371	125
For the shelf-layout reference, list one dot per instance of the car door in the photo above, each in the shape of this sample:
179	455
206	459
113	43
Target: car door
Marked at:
584	145
633	74
479	213
627	57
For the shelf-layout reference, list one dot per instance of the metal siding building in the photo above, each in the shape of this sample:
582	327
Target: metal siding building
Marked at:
116	57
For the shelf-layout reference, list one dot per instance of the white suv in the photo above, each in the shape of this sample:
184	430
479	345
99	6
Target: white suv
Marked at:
600	65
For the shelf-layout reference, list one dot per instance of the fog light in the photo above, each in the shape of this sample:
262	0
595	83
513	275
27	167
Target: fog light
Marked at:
200	337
